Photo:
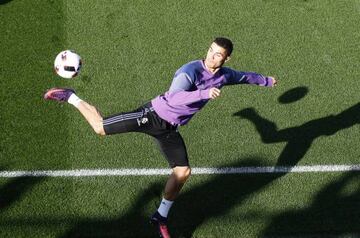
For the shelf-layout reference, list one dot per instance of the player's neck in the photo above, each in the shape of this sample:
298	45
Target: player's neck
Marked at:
211	69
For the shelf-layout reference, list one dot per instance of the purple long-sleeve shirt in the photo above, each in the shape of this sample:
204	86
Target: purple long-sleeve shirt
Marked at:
189	90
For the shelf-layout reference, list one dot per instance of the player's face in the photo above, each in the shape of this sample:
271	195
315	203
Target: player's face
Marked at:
215	57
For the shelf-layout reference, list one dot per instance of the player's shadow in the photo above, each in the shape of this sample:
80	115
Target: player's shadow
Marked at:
2	2
13	190
134	223
211	199
300	138
216	197
334	212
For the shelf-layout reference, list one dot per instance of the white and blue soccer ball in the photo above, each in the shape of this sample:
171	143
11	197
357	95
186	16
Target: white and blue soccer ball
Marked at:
67	64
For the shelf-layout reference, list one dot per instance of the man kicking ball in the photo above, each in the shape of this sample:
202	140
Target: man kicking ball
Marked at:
193	85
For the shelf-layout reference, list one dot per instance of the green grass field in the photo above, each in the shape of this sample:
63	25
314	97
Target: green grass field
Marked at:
131	49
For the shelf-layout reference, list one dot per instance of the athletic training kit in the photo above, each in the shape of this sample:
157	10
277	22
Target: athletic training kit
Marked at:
146	120
160	118
189	91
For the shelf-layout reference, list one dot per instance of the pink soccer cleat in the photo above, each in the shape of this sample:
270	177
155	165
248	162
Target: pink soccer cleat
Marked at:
58	94
160	223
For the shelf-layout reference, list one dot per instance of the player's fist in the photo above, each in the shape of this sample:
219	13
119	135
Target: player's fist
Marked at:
214	93
274	81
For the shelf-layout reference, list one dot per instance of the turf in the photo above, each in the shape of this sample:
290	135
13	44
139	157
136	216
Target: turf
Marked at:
130	50
29	39
210	206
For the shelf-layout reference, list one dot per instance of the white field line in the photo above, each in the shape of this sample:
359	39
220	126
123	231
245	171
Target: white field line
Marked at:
148	172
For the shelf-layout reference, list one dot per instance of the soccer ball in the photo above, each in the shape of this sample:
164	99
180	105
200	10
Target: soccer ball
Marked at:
67	64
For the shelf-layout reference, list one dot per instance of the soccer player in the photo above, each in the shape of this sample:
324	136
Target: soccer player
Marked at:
193	85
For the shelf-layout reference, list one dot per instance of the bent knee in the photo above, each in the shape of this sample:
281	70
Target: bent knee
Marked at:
100	132
182	173
99	129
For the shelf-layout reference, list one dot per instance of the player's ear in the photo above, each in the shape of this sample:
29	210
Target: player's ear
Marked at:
227	59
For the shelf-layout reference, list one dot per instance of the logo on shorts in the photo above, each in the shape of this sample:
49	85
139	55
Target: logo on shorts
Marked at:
142	121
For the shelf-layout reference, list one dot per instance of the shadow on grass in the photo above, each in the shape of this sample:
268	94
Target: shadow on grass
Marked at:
334	212
300	138
293	95
134	223
15	188
2	2
216	198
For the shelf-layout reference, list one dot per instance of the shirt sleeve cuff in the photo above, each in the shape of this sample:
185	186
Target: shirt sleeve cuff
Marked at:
268	82
204	94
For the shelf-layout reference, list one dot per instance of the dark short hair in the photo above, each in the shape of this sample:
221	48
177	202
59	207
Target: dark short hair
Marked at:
224	43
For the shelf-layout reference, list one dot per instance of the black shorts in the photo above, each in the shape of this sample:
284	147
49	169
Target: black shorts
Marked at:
145	120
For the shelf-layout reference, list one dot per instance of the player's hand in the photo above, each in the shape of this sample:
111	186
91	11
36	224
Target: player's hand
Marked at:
274	81
214	93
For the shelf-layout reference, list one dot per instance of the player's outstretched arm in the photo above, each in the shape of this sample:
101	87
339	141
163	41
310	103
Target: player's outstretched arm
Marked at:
239	77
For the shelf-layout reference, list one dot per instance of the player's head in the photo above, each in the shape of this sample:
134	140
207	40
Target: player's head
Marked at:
218	53
224	43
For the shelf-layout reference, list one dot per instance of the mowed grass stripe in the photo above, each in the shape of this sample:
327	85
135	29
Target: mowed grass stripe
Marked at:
32	34
198	171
